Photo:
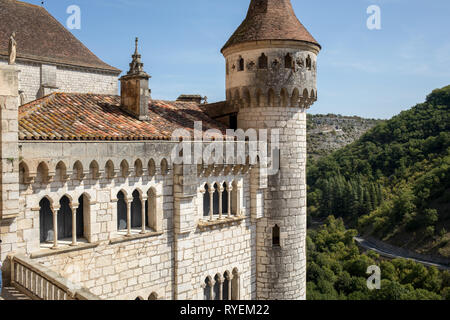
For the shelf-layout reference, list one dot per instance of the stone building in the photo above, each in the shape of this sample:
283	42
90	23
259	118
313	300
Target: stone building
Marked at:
94	206
49	57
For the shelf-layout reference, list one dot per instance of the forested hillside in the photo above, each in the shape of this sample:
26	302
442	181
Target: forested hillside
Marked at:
394	182
337	271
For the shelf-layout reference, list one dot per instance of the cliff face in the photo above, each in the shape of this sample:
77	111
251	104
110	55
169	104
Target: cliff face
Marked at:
328	133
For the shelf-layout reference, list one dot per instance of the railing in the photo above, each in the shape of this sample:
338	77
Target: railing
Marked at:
40	283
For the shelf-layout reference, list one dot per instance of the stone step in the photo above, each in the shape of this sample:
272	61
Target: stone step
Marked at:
12	294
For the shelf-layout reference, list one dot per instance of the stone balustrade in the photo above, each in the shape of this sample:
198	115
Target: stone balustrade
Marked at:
41	283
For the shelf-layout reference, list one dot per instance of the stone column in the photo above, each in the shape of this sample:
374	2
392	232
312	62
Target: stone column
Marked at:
211	203
128	217
211	288
220	201
74	225
220	288
229	286
55	227
238	201
229	190
144	229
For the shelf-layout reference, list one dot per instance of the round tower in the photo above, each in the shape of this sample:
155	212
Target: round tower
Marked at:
271	68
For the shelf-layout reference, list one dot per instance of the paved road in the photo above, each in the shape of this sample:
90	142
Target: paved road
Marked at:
392	255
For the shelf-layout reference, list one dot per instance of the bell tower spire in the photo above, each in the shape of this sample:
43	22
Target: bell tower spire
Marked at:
134	90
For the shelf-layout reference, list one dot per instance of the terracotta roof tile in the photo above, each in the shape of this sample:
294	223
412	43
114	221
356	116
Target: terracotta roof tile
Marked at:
270	20
41	37
73	116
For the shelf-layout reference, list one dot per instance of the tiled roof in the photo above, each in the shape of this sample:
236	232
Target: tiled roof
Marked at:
73	116
41	37
270	20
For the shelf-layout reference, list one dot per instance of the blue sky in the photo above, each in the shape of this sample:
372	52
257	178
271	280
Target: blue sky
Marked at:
367	73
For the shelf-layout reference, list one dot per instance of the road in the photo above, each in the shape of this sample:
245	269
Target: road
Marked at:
392	255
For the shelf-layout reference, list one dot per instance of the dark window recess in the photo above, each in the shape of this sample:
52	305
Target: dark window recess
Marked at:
288	61
65	219
136	211
262	62
206	202
276	236
45	221
241	64
233	122
121	212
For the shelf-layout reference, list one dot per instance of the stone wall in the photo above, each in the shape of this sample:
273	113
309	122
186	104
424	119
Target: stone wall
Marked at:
107	262
37	80
9	163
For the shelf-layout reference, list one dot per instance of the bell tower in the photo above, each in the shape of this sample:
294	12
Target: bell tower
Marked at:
271	69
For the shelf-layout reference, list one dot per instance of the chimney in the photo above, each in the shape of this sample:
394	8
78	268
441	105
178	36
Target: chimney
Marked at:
134	90
191	98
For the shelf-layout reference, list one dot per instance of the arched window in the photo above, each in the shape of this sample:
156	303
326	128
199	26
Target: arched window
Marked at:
121	211
235	199
276	236
124	169
262	61
235	285
42	173
151	213
136	210
151	168
217	292
153	296
64	219
45	221
308	63
94	170
207	292
271	98
138	168
226	290
206	202
110	170
288	61
61	171
225	198
216	199
164	167
241	64
82	215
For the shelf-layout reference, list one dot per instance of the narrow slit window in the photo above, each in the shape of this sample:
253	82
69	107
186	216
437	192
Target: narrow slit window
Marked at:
276	236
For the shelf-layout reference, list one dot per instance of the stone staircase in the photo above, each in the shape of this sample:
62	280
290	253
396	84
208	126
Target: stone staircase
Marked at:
33	281
12	294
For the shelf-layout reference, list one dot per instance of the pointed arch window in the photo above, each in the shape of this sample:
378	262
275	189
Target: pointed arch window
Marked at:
308	63
288	61
207	291
46	221
206	202
82	214
65	219
263	61
136	210
241	64
216	200
121	211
